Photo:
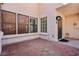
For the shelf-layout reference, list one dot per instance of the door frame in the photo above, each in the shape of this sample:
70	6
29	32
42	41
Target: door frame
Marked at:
59	18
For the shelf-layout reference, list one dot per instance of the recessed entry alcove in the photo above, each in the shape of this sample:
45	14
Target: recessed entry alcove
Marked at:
38	29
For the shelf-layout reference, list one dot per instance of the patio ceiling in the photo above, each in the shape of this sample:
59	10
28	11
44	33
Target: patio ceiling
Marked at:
69	9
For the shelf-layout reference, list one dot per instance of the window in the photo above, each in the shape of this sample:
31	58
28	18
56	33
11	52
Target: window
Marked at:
44	24
8	22
23	24
33	24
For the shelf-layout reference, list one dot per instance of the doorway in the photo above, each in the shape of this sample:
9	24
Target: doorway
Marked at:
59	21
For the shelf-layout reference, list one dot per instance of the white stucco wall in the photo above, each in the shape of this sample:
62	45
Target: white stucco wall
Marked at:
1	35
69	26
9	39
35	10
30	9
49	10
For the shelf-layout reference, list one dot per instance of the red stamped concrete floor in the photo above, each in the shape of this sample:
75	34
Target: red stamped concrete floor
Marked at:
39	47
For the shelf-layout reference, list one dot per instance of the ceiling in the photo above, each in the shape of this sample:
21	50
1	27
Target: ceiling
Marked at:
69	9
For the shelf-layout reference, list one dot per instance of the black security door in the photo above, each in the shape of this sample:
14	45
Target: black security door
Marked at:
59	20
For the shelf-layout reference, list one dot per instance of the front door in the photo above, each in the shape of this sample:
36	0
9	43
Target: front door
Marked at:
59	20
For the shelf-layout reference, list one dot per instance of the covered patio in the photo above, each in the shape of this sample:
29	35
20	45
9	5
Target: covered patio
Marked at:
39	47
32	29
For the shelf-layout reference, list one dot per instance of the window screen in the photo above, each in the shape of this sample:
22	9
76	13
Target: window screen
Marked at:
8	22
33	24
23	23
44	24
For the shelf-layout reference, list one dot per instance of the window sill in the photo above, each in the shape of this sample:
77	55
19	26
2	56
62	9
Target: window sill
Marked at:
18	35
46	34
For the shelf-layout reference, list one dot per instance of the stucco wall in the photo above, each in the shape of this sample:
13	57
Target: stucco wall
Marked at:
30	9
49	10
69	26
0	17
35	10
